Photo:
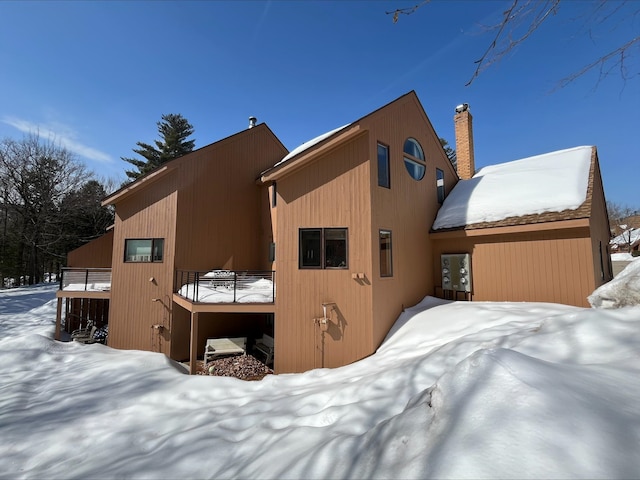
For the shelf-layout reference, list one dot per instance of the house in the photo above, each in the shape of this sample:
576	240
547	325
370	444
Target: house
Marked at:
200	212
352	216
627	241
324	246
535	229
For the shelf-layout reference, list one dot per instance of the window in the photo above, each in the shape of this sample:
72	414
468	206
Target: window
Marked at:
386	266
310	252
414	159
274	194
323	248
440	185
143	250
383	166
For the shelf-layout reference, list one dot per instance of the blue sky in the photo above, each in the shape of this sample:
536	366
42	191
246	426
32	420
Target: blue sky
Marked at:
99	75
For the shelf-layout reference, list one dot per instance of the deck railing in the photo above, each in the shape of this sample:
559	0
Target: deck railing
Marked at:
226	286
85	279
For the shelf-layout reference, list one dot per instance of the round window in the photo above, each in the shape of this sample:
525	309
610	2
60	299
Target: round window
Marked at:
414	159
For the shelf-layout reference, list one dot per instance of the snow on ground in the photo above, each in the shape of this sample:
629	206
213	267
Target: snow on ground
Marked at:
457	390
622	257
622	291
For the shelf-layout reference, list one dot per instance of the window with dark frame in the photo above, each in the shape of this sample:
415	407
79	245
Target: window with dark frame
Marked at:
440	185
274	194
145	250
323	248
386	261
384	177
414	159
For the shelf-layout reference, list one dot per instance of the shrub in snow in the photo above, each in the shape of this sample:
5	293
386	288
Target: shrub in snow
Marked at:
622	291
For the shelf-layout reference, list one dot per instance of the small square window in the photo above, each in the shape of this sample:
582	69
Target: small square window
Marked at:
144	250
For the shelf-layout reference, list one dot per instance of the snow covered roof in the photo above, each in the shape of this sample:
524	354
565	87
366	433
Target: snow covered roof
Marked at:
552	182
310	143
630	237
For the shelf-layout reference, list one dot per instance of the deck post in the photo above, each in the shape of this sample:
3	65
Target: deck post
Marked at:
193	346
58	319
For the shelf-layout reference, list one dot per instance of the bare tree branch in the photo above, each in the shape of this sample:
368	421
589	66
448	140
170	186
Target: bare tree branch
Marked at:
524	17
604	70
511	18
406	11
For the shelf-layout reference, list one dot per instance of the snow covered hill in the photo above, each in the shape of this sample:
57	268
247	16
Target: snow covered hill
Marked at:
457	390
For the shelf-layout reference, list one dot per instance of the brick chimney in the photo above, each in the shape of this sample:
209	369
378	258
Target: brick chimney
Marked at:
464	141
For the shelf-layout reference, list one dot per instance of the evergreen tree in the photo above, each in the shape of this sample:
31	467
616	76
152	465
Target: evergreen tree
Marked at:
174	130
451	153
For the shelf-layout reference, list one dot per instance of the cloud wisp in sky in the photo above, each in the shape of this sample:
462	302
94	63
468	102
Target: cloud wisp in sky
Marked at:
61	134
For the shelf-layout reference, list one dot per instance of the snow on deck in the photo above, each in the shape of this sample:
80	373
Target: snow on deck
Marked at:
219	290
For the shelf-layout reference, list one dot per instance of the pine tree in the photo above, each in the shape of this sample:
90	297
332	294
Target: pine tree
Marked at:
174	130
451	153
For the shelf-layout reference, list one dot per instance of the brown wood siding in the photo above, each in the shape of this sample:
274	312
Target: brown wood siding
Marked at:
600	230
344	175
221	209
546	266
137	302
333	191
210	211
271	221
95	254
407	209
222	219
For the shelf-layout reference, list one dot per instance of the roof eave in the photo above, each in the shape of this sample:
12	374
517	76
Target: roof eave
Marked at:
470	231
135	186
306	157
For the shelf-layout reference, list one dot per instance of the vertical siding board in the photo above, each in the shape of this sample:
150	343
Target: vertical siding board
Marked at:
497	251
528	266
599	223
408	209
95	254
194	208
538	270
347	177
340	178
149	215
